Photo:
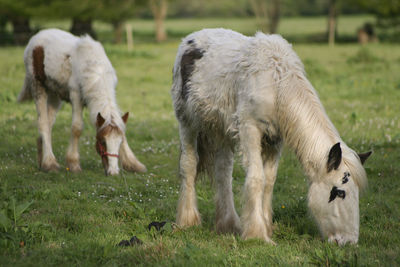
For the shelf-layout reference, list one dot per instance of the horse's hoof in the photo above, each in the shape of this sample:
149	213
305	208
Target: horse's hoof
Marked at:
74	168
52	167
230	225
73	164
190	218
263	237
257	229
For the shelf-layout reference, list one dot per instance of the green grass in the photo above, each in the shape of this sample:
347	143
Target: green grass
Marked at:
77	219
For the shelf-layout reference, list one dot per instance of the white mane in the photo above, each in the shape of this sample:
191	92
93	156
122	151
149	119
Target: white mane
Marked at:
97	80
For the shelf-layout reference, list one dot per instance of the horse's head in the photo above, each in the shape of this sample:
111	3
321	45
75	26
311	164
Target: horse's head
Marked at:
108	141
333	199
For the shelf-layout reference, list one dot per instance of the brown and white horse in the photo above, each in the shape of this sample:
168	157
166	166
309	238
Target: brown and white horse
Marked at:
62	67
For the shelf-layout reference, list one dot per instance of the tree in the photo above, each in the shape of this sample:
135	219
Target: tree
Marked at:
387	12
332	12
159	10
18	13
117	12
84	12
267	13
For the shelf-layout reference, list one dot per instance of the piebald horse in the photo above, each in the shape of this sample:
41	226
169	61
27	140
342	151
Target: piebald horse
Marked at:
62	67
229	91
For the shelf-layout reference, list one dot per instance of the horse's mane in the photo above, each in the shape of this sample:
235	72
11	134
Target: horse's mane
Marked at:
97	80
304	124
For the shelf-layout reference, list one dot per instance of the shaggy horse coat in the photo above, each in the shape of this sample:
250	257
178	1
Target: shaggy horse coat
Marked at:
62	67
231	91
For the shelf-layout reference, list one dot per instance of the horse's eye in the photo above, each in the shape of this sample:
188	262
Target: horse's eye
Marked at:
336	192
341	194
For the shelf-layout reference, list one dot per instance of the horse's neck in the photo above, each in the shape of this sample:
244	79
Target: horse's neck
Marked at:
305	125
105	105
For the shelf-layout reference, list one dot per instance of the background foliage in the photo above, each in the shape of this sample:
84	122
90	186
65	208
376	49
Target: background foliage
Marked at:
16	16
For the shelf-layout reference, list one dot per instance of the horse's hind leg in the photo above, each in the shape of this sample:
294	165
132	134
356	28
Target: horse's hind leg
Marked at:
227	220
253	221
46	158
53	105
76	130
271	155
187	212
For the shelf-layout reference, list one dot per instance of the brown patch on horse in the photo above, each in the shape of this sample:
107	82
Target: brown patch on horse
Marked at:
187	67
38	64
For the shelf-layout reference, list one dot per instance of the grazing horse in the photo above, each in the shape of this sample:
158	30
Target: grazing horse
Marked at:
62	67
231	91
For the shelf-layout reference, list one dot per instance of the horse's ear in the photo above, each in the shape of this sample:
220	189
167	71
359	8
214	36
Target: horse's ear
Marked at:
364	156
125	117
335	157
100	120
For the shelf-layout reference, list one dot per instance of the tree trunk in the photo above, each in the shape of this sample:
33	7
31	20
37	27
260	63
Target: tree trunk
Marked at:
332	22
21	30
274	15
267	14
80	27
161	34
159	9
260	11
118	31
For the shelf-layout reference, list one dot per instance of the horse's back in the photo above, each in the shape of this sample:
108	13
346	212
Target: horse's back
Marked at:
54	48
204	73
220	75
90	57
91	66
55	43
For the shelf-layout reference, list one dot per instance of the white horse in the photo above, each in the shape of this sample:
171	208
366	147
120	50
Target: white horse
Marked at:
229	90
62	67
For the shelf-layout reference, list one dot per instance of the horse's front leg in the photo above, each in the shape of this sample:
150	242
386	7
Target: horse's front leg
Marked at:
76	130
187	212
46	158
253	222
227	220
271	155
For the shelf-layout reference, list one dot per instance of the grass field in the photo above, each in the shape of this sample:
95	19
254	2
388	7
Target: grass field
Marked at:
78	219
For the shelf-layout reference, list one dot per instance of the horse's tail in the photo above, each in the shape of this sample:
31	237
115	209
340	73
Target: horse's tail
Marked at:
26	92
206	153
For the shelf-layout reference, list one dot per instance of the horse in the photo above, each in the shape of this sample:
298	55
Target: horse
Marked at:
233	92
63	67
